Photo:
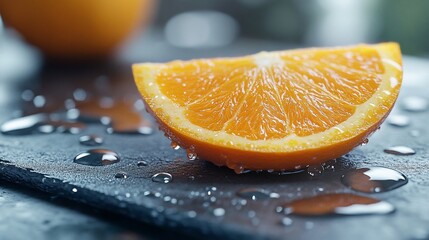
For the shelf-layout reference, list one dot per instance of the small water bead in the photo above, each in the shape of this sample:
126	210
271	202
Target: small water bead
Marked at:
79	94
398	120
141	163
46	128
374	179
415	104
191	214
162	177
338	203
97	157
74	190
27	95
400	150
39	101
139	105
91	140
174	145
191	155
69	127
286	221
121	175
23	125
255	194
69	104
219	212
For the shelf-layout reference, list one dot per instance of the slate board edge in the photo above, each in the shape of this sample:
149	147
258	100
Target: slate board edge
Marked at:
140	213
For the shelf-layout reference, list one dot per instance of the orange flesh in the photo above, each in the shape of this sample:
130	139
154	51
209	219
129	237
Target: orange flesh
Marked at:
274	103
279	110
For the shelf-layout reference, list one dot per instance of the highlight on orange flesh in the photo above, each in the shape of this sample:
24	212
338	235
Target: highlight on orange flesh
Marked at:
274	110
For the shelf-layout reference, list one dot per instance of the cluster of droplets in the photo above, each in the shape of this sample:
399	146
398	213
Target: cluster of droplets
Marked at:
367	180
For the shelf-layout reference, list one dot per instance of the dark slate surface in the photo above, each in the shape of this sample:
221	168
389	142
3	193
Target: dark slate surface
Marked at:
44	162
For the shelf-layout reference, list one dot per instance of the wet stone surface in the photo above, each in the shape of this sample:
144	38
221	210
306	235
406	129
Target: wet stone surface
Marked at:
208	200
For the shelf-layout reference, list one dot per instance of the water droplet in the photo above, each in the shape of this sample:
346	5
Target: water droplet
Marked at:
415	104
27	95
191	155
79	94
254	194
121	175
139	105
174	145
74	190
69	104
162	177
286	221
69	127
91	140
219	212
373	179
191	214
47	128
141	163
400	150
97	157
23	125
338	203
39	101
398	120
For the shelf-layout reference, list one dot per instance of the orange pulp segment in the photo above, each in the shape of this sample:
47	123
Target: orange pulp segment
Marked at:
274	110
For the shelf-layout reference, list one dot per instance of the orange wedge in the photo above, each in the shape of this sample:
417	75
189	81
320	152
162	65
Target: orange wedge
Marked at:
273	110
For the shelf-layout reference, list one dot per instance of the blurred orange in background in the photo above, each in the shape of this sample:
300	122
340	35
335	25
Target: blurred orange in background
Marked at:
76	29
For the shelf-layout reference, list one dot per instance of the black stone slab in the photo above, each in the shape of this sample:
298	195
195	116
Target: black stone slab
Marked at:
45	162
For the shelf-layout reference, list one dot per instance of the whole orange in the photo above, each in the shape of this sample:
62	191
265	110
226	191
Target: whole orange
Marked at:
75	28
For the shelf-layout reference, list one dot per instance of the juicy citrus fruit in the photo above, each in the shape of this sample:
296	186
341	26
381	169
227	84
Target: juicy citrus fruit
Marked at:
274	110
75	28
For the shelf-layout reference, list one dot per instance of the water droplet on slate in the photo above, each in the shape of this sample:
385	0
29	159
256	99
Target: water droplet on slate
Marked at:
400	150
23	125
398	120
27	95
121	175
69	104
373	179
415	104
139	105
191	214
191	155
141	163
79	94
97	157
286	221
218	212
174	145
254	194
338	203
162	177
91	140
39	101
69	127
47	128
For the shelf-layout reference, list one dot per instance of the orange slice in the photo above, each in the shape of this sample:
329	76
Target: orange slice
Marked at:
274	110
